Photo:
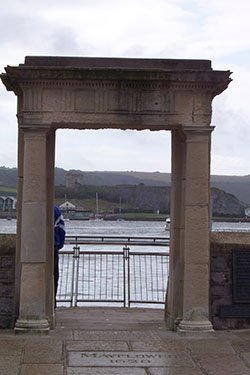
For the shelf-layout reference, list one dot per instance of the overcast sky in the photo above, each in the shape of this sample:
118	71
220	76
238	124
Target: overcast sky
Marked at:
218	30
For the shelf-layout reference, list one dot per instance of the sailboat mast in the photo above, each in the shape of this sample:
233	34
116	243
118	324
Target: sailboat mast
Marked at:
96	202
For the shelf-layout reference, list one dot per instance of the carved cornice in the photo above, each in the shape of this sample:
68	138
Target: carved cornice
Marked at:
212	81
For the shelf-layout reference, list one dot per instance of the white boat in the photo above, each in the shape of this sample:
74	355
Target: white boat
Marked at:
167	223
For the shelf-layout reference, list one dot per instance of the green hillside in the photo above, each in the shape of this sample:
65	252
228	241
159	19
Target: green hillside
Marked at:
237	185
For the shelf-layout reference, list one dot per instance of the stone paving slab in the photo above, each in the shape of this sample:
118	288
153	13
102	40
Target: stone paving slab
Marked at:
220	364
158	345
242	334
105	371
9	364
129	359
174	371
96	346
246	359
111	335
210	346
62	333
41	369
43	351
11	346
241	346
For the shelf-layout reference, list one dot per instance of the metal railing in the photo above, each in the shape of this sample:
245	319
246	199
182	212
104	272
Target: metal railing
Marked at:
124	274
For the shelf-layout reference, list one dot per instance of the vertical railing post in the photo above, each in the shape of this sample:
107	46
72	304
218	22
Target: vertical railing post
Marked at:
75	275
128	259
126	278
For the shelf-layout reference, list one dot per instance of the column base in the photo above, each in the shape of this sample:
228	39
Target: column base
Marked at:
186	327
32	326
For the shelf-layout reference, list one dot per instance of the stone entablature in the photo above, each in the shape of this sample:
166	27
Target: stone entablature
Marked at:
97	93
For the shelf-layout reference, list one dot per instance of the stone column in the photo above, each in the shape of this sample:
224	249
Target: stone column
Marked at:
18	225
32	308
197	234
50	226
175	282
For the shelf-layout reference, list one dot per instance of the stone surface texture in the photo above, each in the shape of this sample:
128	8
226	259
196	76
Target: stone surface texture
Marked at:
7	279
221	277
83	344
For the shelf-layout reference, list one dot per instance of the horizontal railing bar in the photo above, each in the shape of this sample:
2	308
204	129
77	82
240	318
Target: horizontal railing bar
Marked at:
89	252
119	237
148	253
142	241
147	301
100	300
110	252
117	243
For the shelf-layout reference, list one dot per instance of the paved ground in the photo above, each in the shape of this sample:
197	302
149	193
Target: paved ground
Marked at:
117	341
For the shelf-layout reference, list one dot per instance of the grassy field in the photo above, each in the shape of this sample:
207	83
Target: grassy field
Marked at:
7	190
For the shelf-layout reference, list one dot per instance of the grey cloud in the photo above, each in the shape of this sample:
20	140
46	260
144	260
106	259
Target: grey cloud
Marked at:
64	41
135	50
15	28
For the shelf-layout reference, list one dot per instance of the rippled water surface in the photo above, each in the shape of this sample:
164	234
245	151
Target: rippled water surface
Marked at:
123	228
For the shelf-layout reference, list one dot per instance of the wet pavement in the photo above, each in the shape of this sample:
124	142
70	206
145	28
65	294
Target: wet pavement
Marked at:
117	341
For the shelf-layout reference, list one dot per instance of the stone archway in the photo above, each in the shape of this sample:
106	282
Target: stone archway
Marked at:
98	93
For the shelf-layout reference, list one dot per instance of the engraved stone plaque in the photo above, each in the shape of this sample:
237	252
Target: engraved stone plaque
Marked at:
129	359
241	276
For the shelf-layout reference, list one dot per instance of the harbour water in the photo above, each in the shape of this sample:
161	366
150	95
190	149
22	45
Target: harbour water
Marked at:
124	228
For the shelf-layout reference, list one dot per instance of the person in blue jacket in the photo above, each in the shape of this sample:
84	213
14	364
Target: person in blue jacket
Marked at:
59	237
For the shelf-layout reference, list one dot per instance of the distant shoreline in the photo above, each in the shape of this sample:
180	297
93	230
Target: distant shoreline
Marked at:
142	217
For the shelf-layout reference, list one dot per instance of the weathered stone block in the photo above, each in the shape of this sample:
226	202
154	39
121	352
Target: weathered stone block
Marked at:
7	262
220	262
6	321
6	290
7	279
221	277
6	305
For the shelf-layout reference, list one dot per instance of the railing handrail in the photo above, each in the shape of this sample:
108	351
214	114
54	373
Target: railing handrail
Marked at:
117	240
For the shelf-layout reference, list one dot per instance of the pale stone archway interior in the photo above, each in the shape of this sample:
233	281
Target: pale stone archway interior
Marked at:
99	93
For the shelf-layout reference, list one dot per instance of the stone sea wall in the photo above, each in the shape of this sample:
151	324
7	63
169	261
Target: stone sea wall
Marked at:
7	279
225	312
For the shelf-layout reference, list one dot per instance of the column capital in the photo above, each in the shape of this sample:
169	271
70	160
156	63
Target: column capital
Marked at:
36	128
190	131
33	120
